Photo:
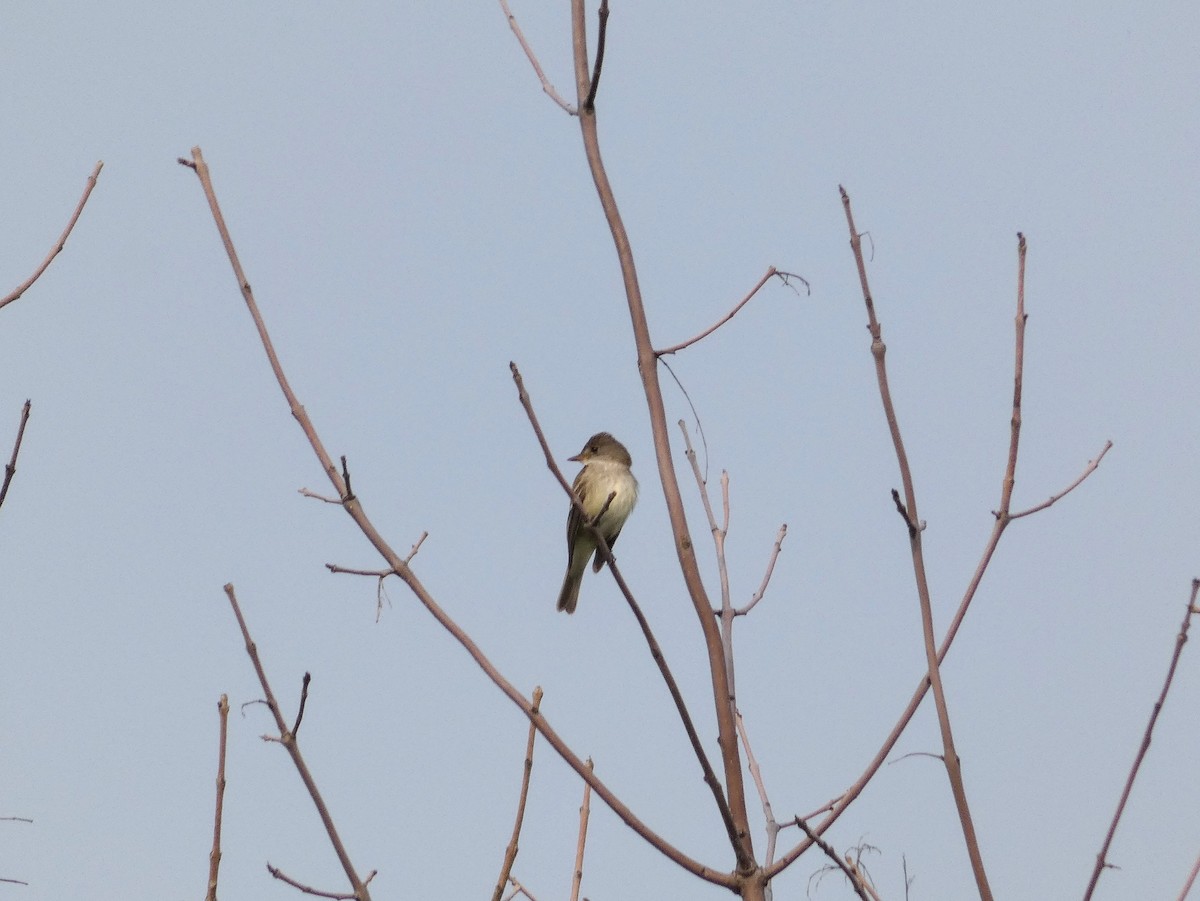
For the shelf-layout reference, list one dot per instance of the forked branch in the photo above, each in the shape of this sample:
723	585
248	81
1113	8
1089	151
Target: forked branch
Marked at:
287	738
353	507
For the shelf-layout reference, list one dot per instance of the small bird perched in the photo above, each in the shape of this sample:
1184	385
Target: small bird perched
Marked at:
605	472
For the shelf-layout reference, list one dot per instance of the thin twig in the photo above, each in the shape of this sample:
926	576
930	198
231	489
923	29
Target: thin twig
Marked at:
741	840
726	613
303	703
10	468
601	40
585	810
771	272
533	60
762	588
855	880
520	889
1055	498
1187	886
909	510
288	740
843	801
354	509
62	240
510	853
309	890
761	786
1180	639
214	856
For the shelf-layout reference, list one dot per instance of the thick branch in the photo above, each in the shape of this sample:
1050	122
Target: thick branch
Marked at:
647	367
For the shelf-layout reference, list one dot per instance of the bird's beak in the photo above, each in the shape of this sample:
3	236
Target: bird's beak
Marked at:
578	458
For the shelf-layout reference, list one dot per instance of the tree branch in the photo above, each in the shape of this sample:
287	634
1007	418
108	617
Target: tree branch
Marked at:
772	272
62	240
355	511
879	351
510	853
533	61
10	469
290	744
1180	640
743	846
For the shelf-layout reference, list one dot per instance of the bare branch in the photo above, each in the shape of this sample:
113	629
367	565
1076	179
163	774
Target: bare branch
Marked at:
533	60
1055	498
62	240
909	510
601	40
771	273
214	856
585	810
1187	886
354	509
762	588
710	777
510	853
735	791
309	890
288	740
1180	640
10	469
843	801
855	880
303	703
761	786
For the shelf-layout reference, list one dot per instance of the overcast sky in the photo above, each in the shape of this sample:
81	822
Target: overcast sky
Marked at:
413	213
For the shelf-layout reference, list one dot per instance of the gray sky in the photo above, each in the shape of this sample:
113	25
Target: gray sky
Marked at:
413	213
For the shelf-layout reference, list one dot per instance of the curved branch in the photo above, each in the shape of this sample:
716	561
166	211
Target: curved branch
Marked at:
62	240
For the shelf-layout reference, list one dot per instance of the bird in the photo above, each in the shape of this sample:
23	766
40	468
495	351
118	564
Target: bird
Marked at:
605	473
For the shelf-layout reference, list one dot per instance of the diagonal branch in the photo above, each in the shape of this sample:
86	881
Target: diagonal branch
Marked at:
510	853
288	740
710	777
354	509
772	272
1180	640
1002	518
879	351
533	61
10	468
62	240
214	856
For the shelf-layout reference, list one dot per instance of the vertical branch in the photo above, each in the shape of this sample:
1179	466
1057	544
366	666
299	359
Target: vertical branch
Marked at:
510	854
585	810
1180	640
647	368
908	510
10	468
60	244
214	857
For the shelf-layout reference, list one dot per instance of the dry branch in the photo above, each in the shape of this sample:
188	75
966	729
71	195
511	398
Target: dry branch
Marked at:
62	240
